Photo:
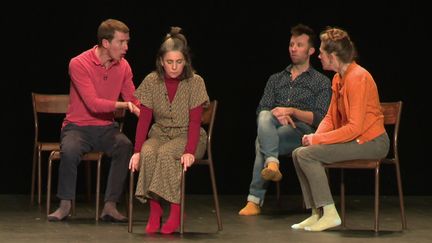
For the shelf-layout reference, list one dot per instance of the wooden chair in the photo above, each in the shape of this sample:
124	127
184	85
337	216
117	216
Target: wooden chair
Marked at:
207	121
54	105
392	113
57	104
278	187
91	156
278	183
48	104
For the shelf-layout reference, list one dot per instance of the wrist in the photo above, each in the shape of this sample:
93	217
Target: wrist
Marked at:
294	112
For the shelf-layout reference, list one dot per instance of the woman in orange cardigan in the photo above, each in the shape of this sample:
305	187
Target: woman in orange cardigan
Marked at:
353	128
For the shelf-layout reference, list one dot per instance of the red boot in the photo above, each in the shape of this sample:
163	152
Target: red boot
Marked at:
173	221
155	217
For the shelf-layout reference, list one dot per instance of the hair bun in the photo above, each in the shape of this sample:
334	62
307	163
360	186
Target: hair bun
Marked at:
175	30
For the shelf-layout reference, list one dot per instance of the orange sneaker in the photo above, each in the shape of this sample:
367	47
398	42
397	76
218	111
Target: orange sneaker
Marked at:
250	209
271	172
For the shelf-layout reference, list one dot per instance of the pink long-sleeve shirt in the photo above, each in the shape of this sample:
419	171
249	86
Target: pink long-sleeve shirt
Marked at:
94	89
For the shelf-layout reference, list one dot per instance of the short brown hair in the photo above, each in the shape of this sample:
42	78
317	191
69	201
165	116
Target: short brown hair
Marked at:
107	29
301	29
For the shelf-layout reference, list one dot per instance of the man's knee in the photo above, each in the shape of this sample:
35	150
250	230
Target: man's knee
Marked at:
265	117
123	142
71	150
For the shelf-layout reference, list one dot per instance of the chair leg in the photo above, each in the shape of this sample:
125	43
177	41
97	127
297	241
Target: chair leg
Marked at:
182	201
48	202
342	192
73	210
35	152
88	179
215	196
126	195
39	178
98	188
377	170
130	216
401	200
278	193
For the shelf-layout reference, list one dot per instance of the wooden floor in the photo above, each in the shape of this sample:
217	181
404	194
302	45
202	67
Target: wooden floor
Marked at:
22	222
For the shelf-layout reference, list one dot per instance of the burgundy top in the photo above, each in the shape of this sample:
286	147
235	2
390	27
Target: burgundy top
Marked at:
146	115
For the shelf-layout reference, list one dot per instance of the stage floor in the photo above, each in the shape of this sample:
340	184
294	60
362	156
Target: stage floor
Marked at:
22	222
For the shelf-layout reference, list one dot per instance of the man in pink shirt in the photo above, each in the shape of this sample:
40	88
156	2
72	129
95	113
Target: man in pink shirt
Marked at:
99	76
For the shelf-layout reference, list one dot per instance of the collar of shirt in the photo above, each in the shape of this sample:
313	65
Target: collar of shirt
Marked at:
96	60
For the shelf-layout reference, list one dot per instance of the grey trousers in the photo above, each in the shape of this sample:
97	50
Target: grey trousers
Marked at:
311	173
76	140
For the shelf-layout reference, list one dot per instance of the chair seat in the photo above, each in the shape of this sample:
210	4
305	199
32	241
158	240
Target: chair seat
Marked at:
49	146
389	161
201	162
87	156
90	156
354	164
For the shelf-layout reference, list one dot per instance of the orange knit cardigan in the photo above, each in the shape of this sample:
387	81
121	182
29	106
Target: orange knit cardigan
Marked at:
354	112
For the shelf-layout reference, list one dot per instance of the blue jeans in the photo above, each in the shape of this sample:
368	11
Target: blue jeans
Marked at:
273	139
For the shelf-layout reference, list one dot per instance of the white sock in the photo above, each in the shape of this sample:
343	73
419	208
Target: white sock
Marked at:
329	219
309	221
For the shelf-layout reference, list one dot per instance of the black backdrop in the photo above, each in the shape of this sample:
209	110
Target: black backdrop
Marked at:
235	46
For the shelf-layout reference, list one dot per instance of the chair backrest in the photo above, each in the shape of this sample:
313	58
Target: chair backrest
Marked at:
208	115
207	121
392	115
58	104
49	104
